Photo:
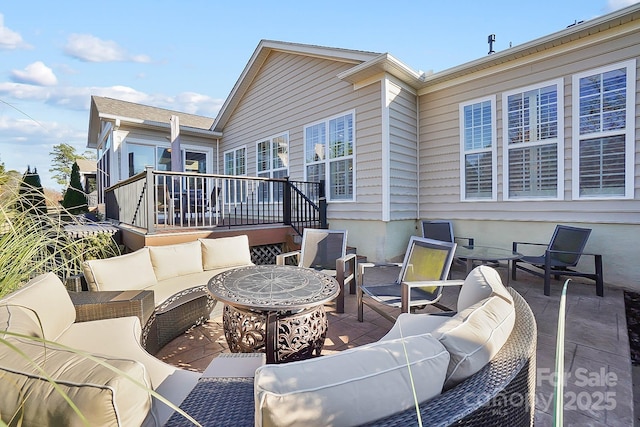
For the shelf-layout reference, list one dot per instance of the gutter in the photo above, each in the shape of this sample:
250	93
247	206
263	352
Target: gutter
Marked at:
162	125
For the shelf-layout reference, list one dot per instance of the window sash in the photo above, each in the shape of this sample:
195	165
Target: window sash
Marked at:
273	159
604	112
329	155
533	148
478	150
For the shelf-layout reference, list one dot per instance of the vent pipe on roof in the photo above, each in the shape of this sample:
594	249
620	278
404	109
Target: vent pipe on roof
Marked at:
491	39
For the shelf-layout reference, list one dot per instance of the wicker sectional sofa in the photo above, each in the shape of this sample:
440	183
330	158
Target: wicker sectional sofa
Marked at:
177	274
75	357
475	367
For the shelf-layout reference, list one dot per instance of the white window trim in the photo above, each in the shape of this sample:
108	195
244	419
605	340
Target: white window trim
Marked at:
233	150
208	151
270	139
326	161
494	152
559	83
629	132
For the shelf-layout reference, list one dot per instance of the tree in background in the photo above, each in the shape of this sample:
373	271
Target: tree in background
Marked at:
64	155
75	200
32	194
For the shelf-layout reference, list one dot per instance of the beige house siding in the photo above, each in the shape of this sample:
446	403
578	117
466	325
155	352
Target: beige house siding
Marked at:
403	152
292	91
503	221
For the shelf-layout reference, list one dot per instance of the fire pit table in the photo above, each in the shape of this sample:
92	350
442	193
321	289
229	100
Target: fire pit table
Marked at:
277	309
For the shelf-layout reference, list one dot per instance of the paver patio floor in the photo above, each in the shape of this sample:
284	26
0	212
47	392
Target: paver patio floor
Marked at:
598	389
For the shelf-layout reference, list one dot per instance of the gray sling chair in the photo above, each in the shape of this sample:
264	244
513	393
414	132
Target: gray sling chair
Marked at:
560	258
326	251
426	260
440	229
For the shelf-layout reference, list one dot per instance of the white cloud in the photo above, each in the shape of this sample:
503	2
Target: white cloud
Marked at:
196	103
37	74
79	98
88	48
9	39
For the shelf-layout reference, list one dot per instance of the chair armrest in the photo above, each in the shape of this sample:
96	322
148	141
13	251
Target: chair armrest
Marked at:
282	258
515	245
341	263
406	287
470	240
423	283
364	265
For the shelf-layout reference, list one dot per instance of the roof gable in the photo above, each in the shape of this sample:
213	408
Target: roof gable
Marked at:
263	50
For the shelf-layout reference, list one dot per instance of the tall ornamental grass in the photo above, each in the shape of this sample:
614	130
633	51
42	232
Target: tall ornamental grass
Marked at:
33	242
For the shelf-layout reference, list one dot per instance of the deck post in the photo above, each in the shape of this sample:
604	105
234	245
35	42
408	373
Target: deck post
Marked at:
150	195
286	202
322	204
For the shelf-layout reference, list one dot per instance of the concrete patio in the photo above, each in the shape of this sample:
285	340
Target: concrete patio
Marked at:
598	389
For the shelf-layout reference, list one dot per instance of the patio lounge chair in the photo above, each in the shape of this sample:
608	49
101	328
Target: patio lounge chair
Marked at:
326	251
560	258
425	260
441	230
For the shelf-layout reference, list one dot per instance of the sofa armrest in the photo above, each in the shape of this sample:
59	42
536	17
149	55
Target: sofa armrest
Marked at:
97	305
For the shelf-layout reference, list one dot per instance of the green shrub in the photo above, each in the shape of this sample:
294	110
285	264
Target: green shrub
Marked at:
75	200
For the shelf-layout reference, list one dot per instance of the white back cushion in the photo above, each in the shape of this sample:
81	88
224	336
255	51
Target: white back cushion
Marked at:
176	260
481	283
352	387
46	303
121	273
474	335
225	252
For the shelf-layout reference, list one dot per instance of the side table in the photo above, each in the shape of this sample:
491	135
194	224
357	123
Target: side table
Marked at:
224	394
97	305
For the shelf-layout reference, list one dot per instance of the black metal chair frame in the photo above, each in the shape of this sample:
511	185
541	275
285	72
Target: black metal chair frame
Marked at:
344	270
405	294
440	229
550	264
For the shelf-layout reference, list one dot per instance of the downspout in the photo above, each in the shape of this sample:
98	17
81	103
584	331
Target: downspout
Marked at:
218	156
418	156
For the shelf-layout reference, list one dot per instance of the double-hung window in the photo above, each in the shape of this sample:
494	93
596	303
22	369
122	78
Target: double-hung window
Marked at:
478	150
235	163
533	142
329	155
603	132
272	155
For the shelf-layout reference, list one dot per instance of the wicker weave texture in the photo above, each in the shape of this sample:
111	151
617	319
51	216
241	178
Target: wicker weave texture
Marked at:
111	304
502	393
183	314
218	402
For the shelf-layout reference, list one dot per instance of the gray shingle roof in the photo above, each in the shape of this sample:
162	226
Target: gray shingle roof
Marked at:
132	110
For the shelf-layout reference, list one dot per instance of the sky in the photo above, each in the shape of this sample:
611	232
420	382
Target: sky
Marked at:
187	55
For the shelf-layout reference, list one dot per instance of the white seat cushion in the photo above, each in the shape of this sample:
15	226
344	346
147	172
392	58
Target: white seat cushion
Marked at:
103	396
352	387
474	335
